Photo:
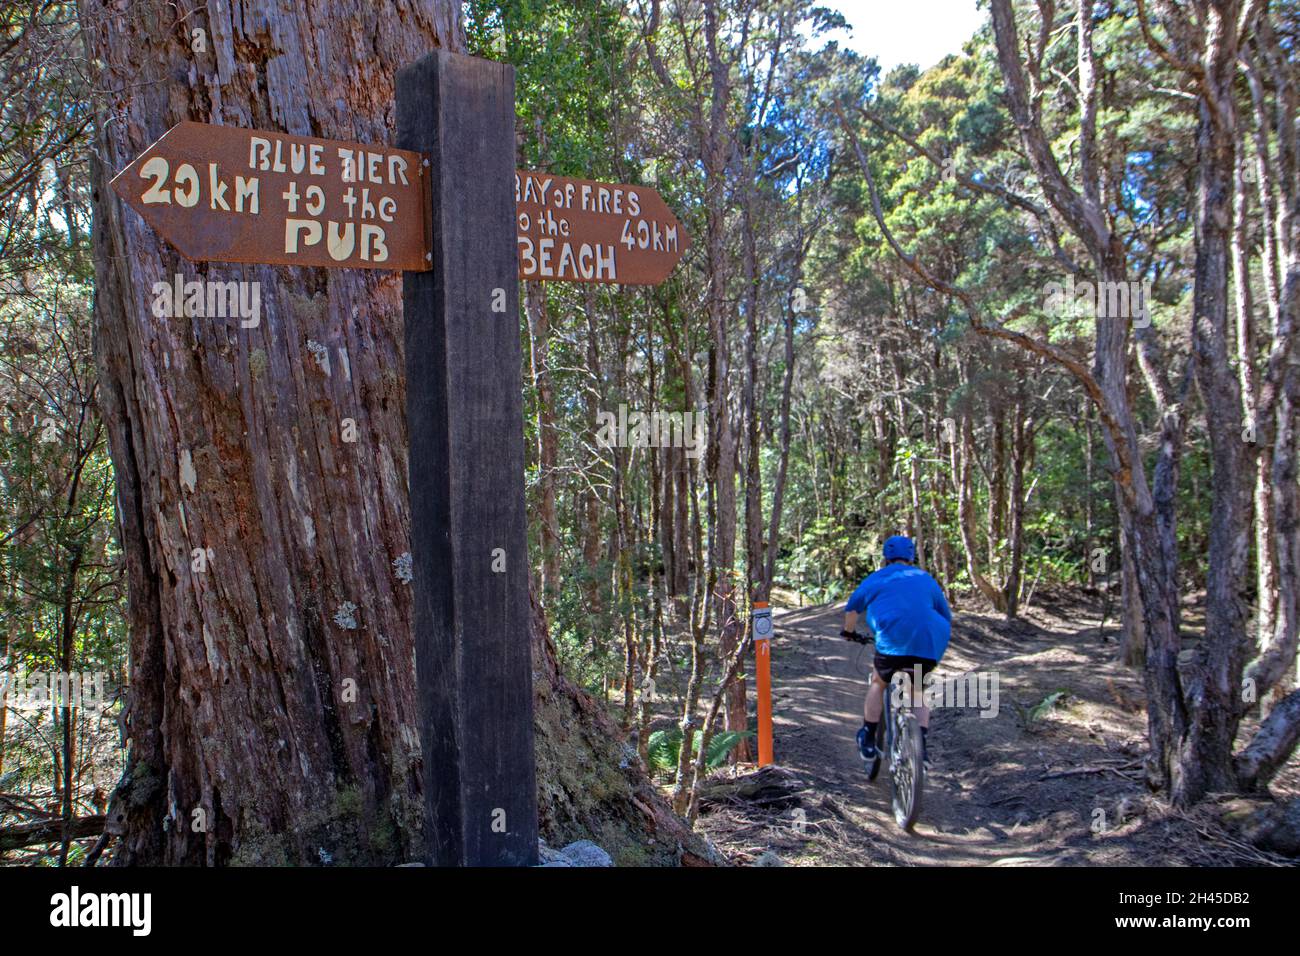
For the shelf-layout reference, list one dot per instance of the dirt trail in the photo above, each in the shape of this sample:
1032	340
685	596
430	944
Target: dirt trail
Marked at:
1064	788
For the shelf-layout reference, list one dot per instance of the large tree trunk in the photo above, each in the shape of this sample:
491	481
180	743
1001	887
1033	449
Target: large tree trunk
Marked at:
272	713
1215	704
274	691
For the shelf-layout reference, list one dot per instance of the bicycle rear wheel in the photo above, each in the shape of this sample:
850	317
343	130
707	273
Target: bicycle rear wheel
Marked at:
908	771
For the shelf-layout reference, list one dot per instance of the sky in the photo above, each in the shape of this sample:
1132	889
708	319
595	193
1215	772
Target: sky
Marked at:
906	31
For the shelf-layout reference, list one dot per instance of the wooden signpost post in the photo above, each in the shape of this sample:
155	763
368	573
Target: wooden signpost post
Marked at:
465	423
449	210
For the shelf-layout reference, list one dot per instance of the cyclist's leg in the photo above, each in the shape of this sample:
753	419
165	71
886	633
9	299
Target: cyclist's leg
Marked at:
920	668
916	669
875	701
872	707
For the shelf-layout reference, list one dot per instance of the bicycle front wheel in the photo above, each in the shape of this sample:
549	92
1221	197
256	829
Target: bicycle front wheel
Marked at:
908	772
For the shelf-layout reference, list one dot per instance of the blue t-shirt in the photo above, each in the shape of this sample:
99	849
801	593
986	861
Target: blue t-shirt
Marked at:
906	609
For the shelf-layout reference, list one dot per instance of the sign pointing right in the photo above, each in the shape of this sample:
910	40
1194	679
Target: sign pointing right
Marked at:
578	230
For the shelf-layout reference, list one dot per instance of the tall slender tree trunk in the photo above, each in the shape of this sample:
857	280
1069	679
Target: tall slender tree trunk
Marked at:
715	150
966	517
1022	440
1248	381
591	530
778	488
68	713
539	334
754	557
997	493
1203	758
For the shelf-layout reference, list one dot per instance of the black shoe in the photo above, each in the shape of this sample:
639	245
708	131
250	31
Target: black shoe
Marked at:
866	746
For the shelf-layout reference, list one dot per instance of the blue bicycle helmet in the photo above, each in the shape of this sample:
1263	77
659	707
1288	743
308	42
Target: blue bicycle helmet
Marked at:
900	546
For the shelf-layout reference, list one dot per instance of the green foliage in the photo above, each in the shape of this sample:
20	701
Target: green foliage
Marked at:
829	559
62	595
1031	717
586	633
665	746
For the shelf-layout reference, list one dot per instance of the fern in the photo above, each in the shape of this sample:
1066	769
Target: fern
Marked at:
665	747
1047	704
721	745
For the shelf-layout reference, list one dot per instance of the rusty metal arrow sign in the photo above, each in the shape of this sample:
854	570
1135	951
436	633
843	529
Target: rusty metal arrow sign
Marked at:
578	230
240	195
237	195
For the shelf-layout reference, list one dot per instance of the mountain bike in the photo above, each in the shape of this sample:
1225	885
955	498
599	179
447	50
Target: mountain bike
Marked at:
898	734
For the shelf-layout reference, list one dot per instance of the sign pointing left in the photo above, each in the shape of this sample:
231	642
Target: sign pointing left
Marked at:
239	195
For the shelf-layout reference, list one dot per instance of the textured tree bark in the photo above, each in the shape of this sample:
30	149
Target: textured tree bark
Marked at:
752	447
964	452
1273	98
684	558
1248	377
1133	641
1215	704
1168	466
687	724
274	690
1272	745
997	492
778	487
591	504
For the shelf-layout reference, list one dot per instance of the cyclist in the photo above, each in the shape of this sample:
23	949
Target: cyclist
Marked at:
906	609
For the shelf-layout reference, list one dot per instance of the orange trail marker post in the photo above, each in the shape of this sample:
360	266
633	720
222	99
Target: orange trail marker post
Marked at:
762	624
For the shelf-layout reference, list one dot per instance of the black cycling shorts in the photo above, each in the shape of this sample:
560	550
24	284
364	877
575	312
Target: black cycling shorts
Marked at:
887	664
